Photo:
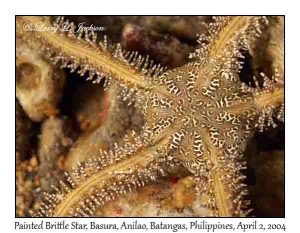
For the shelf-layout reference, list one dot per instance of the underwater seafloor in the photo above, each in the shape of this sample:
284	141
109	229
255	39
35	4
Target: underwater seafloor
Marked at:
58	113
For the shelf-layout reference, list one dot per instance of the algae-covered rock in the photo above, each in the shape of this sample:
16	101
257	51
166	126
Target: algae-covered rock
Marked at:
39	85
118	119
267	51
54	143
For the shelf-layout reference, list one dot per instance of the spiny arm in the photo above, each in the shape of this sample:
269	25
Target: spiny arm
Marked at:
95	182
220	50
268	101
85	54
225	28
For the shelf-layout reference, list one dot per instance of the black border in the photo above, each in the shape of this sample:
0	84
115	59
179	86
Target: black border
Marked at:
18	217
